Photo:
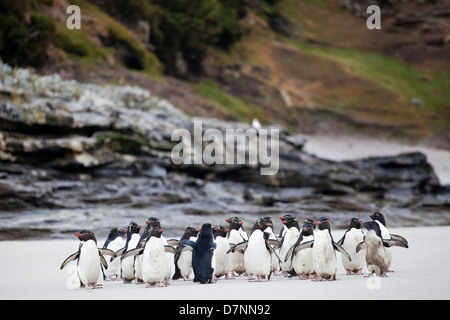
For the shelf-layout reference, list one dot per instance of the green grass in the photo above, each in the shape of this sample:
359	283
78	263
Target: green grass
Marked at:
74	42
430	87
123	37
242	110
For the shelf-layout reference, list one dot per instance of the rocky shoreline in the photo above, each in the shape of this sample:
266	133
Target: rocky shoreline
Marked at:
74	155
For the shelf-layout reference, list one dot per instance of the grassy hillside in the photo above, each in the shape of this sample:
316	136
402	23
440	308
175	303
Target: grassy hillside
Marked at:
309	65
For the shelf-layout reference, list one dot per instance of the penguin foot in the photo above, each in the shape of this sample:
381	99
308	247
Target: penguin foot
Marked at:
228	277
188	278
320	279
94	285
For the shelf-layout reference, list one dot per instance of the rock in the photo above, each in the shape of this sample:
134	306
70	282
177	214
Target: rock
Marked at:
108	149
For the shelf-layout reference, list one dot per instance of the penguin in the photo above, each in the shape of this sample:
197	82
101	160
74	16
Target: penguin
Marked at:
375	250
114	242
302	261
221	259
154	264
127	266
89	258
289	239
202	253
349	241
258	252
284	228
183	259
324	256
153	252
378	217
153	222
236	235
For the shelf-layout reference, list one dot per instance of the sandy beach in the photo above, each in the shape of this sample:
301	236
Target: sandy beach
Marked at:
30	270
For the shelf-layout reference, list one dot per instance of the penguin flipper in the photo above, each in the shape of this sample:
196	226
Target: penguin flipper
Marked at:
342	250
187	248
399	238
169	249
394	243
341	241
118	254
69	259
103	261
274	243
107	252
213	245
360	246
272	251
239	246
132	252
189	243
173	242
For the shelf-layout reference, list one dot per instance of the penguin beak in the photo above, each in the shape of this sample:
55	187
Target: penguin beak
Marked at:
228	220
316	223
77	234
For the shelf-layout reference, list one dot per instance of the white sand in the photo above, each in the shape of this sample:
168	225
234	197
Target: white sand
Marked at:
346	147
30	270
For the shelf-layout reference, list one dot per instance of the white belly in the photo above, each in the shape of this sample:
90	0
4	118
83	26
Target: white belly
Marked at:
290	238
185	263
237	258
386	235
221	258
127	264
114	267
375	254
302	262
89	263
256	257
352	239
324	256
154	263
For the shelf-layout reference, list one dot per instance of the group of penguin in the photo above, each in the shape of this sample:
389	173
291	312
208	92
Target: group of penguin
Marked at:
210	252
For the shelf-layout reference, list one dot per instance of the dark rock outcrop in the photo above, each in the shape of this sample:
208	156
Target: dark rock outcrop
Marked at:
78	154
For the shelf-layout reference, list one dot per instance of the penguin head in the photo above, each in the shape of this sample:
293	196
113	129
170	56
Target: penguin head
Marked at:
286	216
86	235
152	221
206	231
378	216
267	222
116	232
155	232
323	223
133	227
220	231
235	223
308	228
355	223
290	222
191	232
372	225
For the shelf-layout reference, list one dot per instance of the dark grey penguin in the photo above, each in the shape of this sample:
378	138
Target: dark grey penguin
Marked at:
202	253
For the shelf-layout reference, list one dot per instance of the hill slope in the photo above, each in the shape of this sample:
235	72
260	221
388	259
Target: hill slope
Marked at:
308	65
